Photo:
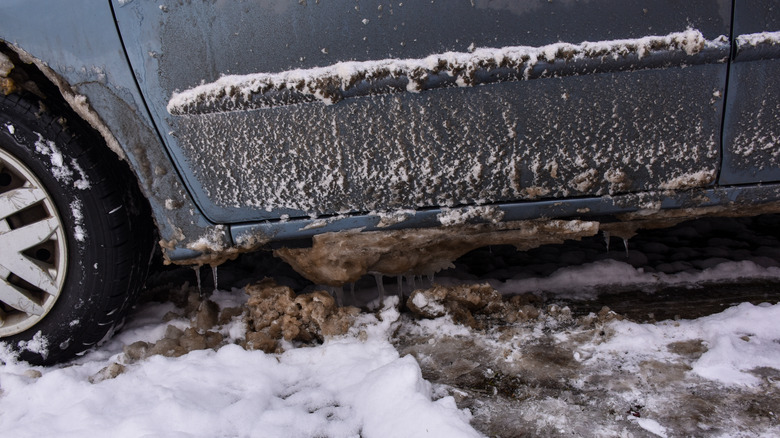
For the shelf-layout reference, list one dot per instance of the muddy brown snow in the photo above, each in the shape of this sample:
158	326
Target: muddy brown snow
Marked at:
532	377
275	312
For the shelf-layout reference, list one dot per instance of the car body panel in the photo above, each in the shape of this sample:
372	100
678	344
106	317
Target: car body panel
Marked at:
583	127
565	136
751	132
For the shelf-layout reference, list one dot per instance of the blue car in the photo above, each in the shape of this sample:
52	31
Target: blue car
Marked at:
354	137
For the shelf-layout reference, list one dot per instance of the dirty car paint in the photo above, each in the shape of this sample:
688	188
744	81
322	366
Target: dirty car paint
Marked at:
594	118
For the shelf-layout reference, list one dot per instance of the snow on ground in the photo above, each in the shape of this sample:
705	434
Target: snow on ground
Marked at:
355	385
599	375
738	341
588	280
555	367
360	385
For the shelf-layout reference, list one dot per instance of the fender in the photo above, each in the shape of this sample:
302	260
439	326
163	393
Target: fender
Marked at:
81	53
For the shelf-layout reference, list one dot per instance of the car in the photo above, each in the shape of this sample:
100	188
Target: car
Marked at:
355	137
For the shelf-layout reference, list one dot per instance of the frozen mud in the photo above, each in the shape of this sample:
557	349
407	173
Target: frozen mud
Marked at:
271	314
339	258
275	312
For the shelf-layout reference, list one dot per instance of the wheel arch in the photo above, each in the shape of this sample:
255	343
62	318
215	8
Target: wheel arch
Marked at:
105	99
33	80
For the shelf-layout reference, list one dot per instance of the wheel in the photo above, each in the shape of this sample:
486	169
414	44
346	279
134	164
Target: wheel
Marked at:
75	238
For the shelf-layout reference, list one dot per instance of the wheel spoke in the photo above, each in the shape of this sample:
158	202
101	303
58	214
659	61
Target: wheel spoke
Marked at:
14	201
12	259
28	236
18	299
29	271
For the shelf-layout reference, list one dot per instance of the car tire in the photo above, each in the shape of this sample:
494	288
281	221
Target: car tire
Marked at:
75	238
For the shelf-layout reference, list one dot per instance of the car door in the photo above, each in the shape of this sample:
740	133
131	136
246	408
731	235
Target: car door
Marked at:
751	134
278	108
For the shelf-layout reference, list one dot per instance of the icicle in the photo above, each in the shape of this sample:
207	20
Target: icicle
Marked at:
430	278
214	272
380	286
339	292
197	277
625	244
352	292
606	239
411	283
400	280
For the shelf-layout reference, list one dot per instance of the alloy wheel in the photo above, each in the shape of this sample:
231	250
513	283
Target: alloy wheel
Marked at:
33	248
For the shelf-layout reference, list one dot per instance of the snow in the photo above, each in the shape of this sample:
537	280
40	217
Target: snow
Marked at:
738	340
431	307
5	65
319	223
755	146
345	387
755	39
690	180
651	426
38	344
319	83
584	281
79	233
352	385
212	241
566	375
393	218
450	217
60	169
